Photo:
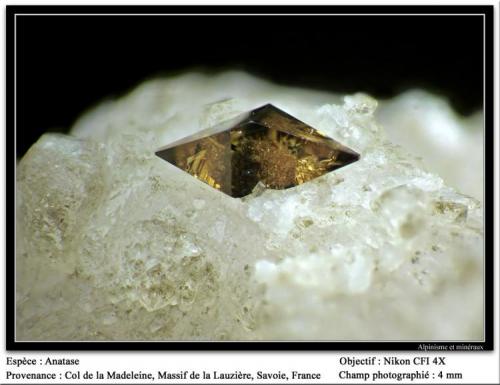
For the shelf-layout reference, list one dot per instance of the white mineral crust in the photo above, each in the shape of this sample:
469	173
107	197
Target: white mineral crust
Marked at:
114	243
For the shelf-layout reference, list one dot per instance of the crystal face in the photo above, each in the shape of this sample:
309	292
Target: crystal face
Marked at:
265	145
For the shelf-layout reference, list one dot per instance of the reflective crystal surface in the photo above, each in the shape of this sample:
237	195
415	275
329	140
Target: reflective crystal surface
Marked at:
265	145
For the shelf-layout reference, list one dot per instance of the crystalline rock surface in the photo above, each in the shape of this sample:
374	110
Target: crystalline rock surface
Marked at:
114	243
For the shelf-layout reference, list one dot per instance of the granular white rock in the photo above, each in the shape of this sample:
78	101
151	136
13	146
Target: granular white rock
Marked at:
113	243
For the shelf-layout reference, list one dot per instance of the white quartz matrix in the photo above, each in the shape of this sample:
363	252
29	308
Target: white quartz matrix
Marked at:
114	243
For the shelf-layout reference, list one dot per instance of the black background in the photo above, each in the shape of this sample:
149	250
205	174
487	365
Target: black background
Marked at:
66	64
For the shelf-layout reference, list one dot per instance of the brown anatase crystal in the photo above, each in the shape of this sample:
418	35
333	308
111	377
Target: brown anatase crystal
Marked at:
266	145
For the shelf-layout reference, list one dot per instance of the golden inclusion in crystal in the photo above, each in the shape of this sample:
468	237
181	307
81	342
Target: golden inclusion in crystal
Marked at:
266	145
